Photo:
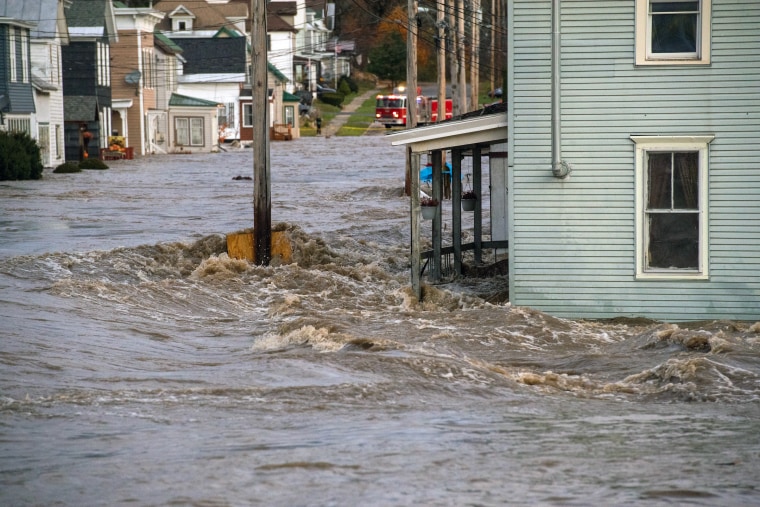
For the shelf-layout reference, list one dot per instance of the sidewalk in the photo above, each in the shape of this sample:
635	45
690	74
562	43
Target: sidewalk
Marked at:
341	118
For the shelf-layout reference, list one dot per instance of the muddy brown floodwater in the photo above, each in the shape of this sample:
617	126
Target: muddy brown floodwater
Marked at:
142	366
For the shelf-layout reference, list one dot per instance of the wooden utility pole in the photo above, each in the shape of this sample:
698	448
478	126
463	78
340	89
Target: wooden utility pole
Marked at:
411	86
453	62
262	201
411	67
476	18
461	74
440	21
492	74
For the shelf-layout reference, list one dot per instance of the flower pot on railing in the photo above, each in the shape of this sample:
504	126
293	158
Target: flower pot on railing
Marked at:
428	205
468	200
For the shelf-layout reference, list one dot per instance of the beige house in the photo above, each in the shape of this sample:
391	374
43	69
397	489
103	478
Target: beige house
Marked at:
193	125
135	78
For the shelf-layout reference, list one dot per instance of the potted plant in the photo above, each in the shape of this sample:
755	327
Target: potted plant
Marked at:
468	200
428	205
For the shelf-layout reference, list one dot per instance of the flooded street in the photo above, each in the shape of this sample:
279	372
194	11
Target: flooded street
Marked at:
142	366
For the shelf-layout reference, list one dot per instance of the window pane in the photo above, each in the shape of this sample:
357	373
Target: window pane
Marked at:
674	33
196	131
673	240
659	180
247	115
183	132
289	115
689	6
686	180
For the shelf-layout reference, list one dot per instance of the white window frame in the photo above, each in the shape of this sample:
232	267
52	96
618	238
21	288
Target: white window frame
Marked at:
195	126
12	47
104	65
24	56
644	54
247	115
664	144
289	115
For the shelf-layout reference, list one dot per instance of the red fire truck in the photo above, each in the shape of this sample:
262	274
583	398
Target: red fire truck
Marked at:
390	110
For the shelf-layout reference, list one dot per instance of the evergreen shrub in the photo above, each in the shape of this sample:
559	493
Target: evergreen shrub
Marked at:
332	98
19	157
92	163
343	88
67	168
353	86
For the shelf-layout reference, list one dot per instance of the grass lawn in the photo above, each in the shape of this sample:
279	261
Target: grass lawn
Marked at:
360	119
364	116
357	122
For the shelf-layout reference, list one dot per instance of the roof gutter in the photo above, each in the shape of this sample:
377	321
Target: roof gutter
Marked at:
560	168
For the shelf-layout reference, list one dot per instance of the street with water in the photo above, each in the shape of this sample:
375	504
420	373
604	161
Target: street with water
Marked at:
142	365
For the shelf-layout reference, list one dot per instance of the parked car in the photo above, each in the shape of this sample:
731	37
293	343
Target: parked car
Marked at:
324	89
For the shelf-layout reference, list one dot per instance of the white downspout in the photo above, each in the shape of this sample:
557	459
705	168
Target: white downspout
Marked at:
141	85
560	168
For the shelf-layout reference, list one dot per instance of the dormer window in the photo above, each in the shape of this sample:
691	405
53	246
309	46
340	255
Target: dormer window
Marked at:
182	19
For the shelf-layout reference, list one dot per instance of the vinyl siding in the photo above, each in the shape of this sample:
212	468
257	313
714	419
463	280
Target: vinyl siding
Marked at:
20	94
573	241
4	58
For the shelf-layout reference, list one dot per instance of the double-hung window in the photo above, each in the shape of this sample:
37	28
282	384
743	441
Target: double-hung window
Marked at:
248	115
290	115
672	32
188	131
12	47
671	206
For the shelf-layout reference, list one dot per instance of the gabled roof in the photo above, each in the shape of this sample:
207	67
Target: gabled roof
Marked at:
289	97
277	24
166	44
277	74
207	16
227	32
178	100
39	12
181	10
84	17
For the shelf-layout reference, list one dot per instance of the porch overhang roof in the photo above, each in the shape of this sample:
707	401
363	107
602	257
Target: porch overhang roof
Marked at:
121	103
481	130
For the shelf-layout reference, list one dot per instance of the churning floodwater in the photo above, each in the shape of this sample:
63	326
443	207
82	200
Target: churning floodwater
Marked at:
140	365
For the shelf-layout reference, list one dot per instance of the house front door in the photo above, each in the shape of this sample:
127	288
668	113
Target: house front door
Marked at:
43	133
157	128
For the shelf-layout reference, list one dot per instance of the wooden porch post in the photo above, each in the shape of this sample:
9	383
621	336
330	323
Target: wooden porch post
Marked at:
456	208
414	164
477	185
435	270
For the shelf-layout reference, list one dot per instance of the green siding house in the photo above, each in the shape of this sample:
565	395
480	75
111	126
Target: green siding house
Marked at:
631	185
634	162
